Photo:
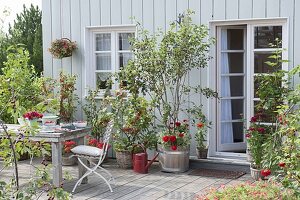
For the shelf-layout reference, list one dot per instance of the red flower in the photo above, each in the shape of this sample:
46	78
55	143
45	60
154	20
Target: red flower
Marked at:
181	134
200	125
100	145
93	142
251	129
281	164
172	138
174	147
177	124
265	172
253	119
165	138
261	130
248	135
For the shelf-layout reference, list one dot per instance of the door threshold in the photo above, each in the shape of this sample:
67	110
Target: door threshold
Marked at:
222	160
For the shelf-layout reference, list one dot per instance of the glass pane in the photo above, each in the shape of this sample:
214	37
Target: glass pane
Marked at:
257	80
232	109
266	116
264	35
103	61
260	66
232	63
232	86
103	42
124	41
232	39
102	80
232	132
124	58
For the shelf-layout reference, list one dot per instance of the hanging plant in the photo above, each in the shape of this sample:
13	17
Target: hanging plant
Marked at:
62	48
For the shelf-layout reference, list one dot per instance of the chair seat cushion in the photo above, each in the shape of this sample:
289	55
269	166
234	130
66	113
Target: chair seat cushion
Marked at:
87	150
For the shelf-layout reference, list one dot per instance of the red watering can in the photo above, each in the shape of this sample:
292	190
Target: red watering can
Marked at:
140	161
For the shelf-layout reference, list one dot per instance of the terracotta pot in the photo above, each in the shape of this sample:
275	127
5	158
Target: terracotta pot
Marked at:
255	174
66	161
202	153
124	159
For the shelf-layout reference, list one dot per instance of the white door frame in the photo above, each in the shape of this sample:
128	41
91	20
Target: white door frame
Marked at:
212	80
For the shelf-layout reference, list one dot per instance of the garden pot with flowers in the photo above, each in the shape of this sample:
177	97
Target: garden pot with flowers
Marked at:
66	159
257	135
31	118
200	137
174	147
62	48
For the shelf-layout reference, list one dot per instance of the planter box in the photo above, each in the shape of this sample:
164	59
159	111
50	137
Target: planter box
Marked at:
124	159
173	161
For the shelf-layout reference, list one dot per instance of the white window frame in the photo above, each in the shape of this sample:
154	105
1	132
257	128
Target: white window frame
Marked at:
211	73
89	58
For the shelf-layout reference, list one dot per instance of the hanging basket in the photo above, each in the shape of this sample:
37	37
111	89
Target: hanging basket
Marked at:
61	48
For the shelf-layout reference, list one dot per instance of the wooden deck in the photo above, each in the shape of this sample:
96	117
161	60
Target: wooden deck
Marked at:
129	185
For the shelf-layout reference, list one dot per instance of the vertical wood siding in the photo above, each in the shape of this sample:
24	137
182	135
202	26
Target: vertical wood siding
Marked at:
68	18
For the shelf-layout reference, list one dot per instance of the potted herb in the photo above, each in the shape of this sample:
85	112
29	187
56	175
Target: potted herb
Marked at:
201	142
61	48
66	159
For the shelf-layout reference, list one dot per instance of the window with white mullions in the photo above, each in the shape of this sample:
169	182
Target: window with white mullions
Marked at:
231	84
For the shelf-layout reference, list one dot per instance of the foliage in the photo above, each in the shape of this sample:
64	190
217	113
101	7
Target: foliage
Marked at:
97	114
61	48
12	145
18	85
67	97
255	191
132	120
27	30
177	135
162	62
96	142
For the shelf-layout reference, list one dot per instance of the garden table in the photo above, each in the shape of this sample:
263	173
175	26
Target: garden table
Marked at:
56	138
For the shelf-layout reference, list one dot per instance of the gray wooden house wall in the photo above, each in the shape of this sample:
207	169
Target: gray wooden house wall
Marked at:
68	18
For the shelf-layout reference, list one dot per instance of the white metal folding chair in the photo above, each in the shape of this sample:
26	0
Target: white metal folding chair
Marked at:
89	152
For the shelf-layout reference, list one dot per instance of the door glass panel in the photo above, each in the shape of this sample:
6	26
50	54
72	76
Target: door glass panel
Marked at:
124	58
103	61
103	42
102	80
260	66
234	39
235	62
232	109
232	132
124	43
264	35
236	87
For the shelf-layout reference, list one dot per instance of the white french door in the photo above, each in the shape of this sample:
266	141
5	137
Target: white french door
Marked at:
242	51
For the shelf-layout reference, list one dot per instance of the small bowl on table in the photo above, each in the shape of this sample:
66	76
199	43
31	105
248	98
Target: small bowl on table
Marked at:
50	120
80	124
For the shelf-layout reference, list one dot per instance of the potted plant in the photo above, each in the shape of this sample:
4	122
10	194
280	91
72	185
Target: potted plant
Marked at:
32	117
61	48
66	159
174	143
257	135
133	117
160	68
67	98
201	142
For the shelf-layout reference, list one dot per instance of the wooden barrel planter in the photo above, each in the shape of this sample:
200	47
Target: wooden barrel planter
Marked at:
174	161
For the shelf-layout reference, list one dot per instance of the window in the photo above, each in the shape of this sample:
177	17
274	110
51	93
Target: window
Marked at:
108	51
241	52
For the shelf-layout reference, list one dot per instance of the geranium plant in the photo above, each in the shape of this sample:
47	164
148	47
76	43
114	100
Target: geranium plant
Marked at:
96	143
63	47
68	145
32	115
177	135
